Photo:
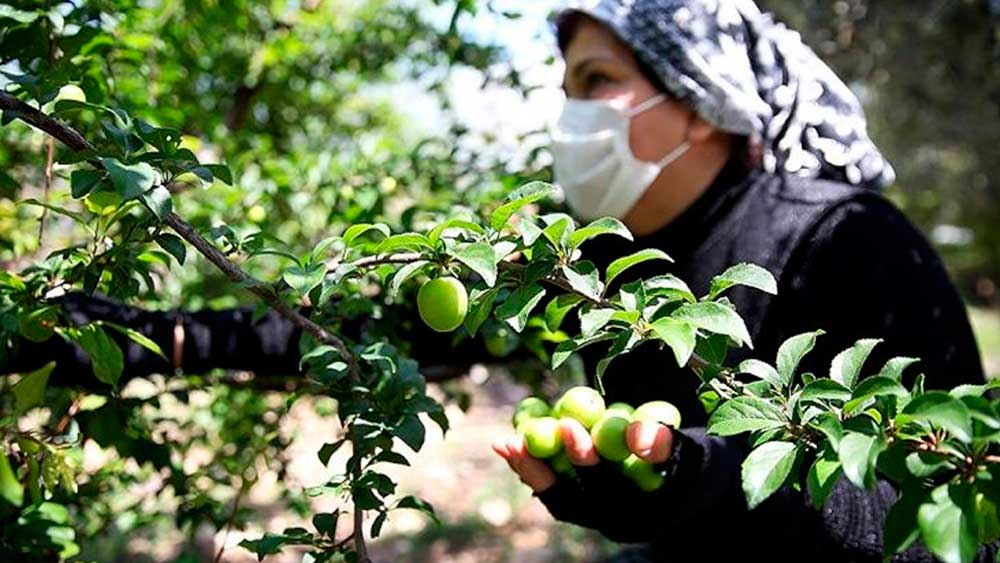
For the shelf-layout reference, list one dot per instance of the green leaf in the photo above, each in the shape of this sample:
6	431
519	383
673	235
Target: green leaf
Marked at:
762	370
560	226
859	454
825	389
893	368
174	245
518	305
558	308
566	348
619	266
527	194
874	387
594	320
480	258
405	273
158	201
304	280
130	180
20	16
792	351
829	425
327	450
747	274
602	226
679	335
948	531
222	172
461	224
529	231
403	241
411	431
670	286
822	477
30	390
82	182
137	337
942	410
326	522
715	317
846	366
766	469
583	280
10	488
354	231
105	356
744	414
418	504
480	307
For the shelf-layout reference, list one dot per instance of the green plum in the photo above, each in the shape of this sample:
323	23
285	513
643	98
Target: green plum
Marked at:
658	411
561	464
625	409
530	407
542	437
582	404
609	436
443	303
641	473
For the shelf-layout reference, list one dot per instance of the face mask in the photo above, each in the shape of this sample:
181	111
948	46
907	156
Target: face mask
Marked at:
593	161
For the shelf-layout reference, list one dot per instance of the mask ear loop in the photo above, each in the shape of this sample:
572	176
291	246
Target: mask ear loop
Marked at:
673	155
645	104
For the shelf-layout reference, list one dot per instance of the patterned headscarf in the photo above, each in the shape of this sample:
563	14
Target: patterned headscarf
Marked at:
748	75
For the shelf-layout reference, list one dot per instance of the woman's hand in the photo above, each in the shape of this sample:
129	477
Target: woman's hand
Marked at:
650	441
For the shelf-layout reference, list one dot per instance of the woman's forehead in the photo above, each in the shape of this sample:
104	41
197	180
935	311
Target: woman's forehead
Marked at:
591	39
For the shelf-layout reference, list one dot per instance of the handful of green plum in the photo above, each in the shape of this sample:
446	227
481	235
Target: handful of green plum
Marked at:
538	423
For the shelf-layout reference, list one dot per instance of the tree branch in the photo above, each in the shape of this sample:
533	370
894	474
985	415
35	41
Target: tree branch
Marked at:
15	108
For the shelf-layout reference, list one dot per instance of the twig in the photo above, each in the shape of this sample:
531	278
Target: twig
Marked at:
229	522
50	150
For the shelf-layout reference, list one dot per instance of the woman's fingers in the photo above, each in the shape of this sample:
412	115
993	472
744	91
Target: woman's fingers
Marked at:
651	441
576	440
533	472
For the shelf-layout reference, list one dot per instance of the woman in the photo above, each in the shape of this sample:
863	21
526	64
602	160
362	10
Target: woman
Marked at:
718	137
737	145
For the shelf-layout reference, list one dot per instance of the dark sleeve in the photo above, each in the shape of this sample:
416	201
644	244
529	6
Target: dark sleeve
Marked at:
227	339
863	271
230	339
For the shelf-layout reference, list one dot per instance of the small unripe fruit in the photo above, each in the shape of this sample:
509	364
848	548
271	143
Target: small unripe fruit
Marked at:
641	473
658	411
256	214
71	92
608	435
582	404
443	303
542	437
528	408
561	464
624	409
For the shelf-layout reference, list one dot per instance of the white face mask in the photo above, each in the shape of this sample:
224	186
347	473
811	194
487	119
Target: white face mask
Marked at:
593	161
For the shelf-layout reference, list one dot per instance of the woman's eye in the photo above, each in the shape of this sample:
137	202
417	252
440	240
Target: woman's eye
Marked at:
596	79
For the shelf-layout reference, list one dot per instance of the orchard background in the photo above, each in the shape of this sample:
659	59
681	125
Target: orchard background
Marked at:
331	114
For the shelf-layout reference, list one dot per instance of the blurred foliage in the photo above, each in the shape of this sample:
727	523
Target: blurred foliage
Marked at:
929	78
